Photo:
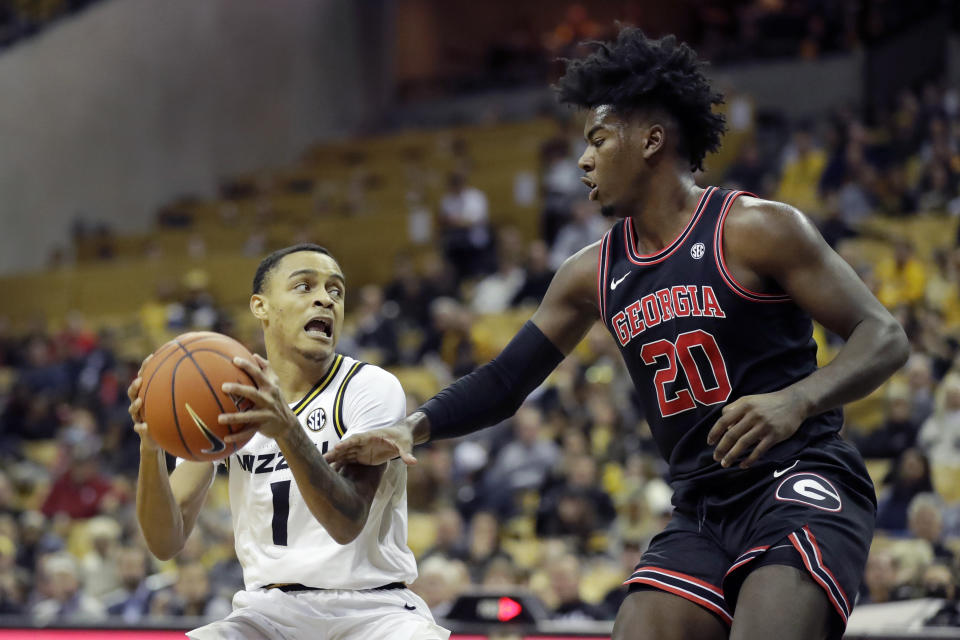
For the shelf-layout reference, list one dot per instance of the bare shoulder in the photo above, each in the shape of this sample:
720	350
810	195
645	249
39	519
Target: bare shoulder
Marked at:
577	276
758	230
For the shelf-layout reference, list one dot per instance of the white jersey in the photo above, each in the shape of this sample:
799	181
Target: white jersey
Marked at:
277	538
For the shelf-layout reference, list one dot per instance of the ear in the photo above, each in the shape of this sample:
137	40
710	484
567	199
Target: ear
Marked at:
653	140
258	307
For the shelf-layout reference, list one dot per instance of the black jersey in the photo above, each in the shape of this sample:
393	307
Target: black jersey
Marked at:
694	339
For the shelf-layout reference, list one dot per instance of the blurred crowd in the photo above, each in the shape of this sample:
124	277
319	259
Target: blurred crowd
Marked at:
562	498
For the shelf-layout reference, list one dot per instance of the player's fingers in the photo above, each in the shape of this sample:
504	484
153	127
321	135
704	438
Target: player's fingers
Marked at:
255	416
253	394
140	428
253	370
740	447
260	361
759	450
408	458
134	389
134	409
731	436
143	364
240	436
729	416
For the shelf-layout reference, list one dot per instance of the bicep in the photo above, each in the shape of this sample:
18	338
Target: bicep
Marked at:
569	308
793	253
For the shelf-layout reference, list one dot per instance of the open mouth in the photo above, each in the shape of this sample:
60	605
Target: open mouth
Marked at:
594	190
319	328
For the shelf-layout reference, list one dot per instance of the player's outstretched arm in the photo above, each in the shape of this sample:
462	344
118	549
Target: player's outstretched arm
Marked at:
167	506
339	501
776	243
497	389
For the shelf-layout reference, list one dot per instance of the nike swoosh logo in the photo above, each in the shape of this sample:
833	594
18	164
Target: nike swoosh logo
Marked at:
409	607
613	285
216	444
777	474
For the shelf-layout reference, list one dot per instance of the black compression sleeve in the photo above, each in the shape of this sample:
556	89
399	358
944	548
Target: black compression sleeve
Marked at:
497	389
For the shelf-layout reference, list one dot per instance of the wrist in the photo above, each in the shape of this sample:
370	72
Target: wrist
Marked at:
804	401
419	426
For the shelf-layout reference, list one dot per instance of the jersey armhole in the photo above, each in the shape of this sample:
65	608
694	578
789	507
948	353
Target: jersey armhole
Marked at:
728	279
338	401
603	265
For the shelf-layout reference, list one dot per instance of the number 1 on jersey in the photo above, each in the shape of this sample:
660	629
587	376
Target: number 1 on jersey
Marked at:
682	350
281	510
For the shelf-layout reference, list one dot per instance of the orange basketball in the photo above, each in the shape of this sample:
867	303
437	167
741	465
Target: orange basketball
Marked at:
182	397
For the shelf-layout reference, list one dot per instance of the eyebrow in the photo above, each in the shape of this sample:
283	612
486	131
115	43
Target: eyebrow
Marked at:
314	272
592	131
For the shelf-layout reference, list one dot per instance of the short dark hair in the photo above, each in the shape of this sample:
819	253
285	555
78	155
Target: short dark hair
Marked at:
637	72
268	263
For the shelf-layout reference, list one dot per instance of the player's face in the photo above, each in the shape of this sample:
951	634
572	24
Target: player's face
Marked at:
303	299
613	161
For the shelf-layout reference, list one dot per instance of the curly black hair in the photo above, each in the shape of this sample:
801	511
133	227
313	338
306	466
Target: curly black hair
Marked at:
637	72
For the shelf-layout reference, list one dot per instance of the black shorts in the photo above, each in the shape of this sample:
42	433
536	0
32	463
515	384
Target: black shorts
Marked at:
816	513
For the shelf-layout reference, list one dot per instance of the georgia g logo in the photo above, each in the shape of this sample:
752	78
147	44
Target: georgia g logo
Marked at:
810	489
316	419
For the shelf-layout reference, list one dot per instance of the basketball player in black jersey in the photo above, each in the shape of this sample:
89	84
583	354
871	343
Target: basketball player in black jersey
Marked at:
709	293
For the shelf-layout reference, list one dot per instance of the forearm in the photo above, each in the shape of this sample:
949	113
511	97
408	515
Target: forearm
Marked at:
158	513
331	498
874	351
490	394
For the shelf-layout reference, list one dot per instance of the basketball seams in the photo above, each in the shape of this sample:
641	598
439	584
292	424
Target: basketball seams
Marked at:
199	342
206	380
173	406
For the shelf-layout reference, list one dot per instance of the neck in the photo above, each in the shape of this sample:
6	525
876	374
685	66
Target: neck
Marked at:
664	209
296	374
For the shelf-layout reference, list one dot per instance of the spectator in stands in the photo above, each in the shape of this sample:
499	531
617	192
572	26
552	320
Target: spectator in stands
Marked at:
131	600
880	578
803	164
586	226
560	184
898	431
98	567
191	596
909	476
450	541
410	292
449	337
537	275
376	328
63	599
36	539
925	521
940	434
439	582
748	172
902	277
82	490
578	507
13	580
565	576
484	543
464	222
630	553
938	581
495	292
523	463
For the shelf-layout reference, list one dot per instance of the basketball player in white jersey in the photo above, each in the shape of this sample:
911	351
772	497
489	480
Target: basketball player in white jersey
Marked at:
324	554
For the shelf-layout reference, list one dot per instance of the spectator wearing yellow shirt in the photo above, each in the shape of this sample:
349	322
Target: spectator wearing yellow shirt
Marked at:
902	278
802	168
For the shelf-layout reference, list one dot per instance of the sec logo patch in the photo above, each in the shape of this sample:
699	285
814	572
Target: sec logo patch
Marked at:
810	489
316	419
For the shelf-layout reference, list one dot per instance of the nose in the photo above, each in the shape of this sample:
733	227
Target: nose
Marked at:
586	160
323	299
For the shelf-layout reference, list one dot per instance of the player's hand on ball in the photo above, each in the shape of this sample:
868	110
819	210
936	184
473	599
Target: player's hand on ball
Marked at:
269	414
756	422
147	443
375	447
